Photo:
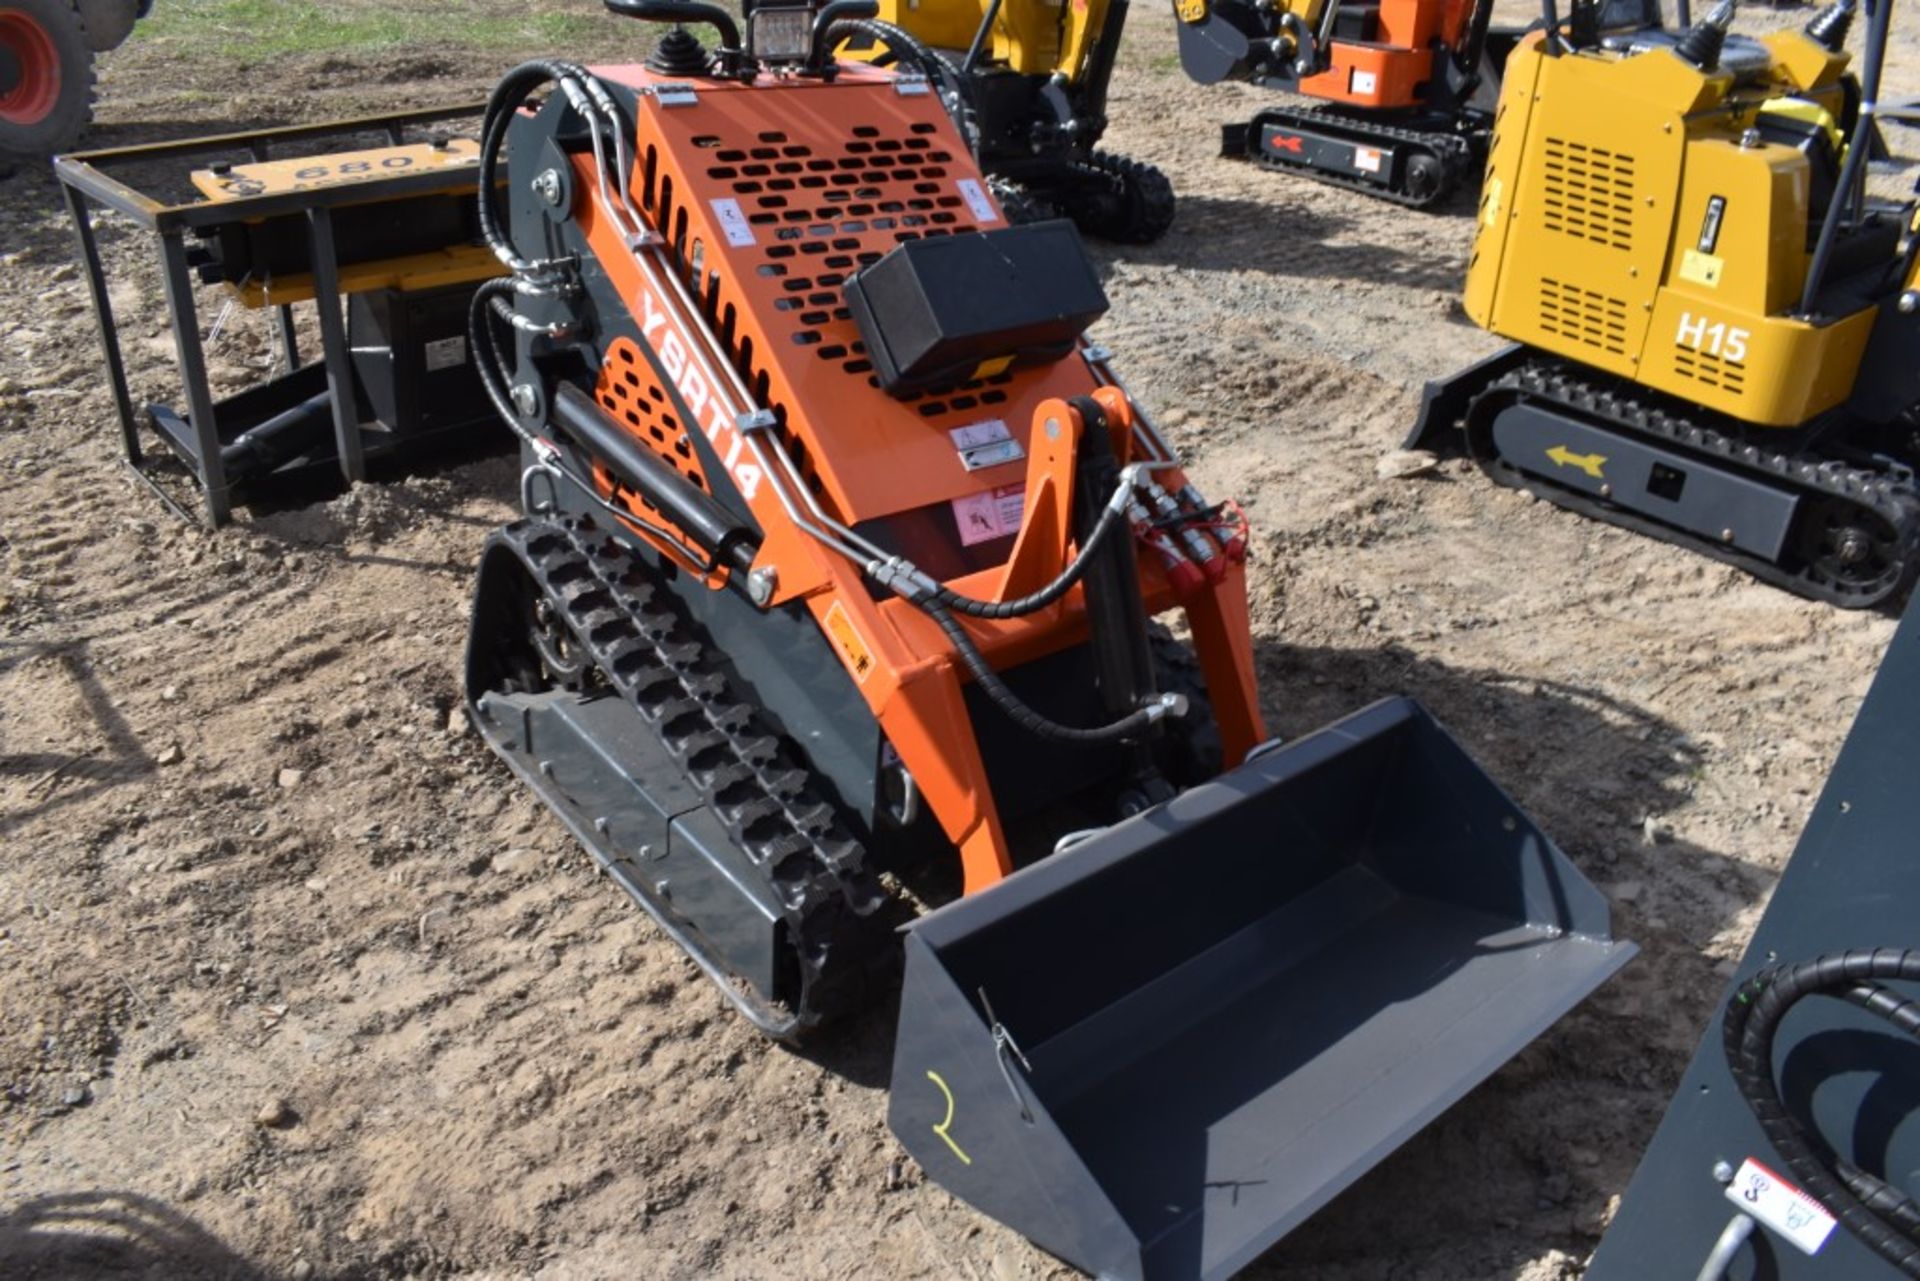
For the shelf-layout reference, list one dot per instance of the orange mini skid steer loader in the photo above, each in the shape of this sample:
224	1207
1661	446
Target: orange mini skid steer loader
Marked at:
840	552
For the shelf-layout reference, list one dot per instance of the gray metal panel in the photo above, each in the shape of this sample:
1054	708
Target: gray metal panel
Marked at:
1670	487
1235	1004
1273	1100
961	1118
598	765
1854	881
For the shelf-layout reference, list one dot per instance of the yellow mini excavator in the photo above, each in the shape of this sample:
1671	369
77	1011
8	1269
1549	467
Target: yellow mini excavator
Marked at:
1714	324
1026	81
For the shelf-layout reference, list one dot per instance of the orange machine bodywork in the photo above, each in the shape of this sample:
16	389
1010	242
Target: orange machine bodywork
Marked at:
763	224
1393	70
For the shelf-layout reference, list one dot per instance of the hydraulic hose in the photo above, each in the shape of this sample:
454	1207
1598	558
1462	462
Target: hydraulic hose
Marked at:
508	96
1128	728
955	89
487	360
1110	519
1882	1217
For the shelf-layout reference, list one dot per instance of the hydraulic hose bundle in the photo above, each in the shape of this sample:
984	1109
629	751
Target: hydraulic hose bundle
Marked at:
493	300
1884	1218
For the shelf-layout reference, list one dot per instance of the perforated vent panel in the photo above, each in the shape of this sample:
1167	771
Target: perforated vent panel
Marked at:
1589	193
823	212
1584	316
1710	370
628	390
768	198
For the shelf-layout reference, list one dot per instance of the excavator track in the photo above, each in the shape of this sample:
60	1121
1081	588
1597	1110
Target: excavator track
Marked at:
1137	204
1849	493
1455	153
611	629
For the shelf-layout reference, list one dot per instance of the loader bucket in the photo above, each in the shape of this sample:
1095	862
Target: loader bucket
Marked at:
1157	1053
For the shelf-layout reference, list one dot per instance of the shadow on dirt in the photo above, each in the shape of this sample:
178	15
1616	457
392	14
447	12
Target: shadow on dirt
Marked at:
58	779
394	500
112	1234
1232	233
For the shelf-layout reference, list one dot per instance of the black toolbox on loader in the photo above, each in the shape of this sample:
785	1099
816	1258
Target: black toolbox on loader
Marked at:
1158	1054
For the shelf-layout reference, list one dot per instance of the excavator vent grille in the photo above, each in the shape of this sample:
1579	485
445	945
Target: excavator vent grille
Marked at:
1710	370
1589	193
1584	316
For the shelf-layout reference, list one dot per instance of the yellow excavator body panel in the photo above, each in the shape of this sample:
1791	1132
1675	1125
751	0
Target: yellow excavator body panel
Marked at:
1636	220
1031	37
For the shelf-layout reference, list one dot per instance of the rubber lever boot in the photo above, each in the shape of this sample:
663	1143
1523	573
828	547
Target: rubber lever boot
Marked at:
678	54
1703	41
1828	28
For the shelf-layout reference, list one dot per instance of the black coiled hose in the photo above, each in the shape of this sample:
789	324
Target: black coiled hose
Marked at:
485	348
508	97
1884	1219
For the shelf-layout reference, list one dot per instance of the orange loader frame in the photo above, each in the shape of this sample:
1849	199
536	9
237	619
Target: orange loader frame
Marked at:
763	223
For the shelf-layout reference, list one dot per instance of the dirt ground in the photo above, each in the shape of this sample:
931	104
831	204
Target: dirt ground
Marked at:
253	874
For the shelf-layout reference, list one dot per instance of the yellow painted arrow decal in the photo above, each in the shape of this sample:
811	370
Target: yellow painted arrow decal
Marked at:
1588	463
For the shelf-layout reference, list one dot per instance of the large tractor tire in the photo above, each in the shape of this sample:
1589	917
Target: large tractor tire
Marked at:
110	22
46	77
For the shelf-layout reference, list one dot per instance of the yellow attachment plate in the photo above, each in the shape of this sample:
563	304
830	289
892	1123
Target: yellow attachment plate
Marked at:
274	177
458	265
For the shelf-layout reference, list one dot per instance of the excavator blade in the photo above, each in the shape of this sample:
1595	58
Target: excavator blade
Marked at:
1157	1053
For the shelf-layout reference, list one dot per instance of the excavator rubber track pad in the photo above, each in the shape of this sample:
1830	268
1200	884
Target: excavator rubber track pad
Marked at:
1215	1016
945	309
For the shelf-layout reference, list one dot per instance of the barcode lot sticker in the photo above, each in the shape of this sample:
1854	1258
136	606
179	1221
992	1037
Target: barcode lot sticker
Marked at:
733	223
1781	1206
994	514
986	444
976	197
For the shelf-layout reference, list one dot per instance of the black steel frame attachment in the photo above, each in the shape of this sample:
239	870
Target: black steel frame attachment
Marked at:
101	180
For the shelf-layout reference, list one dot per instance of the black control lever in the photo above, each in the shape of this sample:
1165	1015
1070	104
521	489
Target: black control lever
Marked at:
683	12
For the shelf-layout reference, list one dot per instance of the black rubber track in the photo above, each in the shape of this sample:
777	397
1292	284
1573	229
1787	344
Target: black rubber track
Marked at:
1882	493
641	647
